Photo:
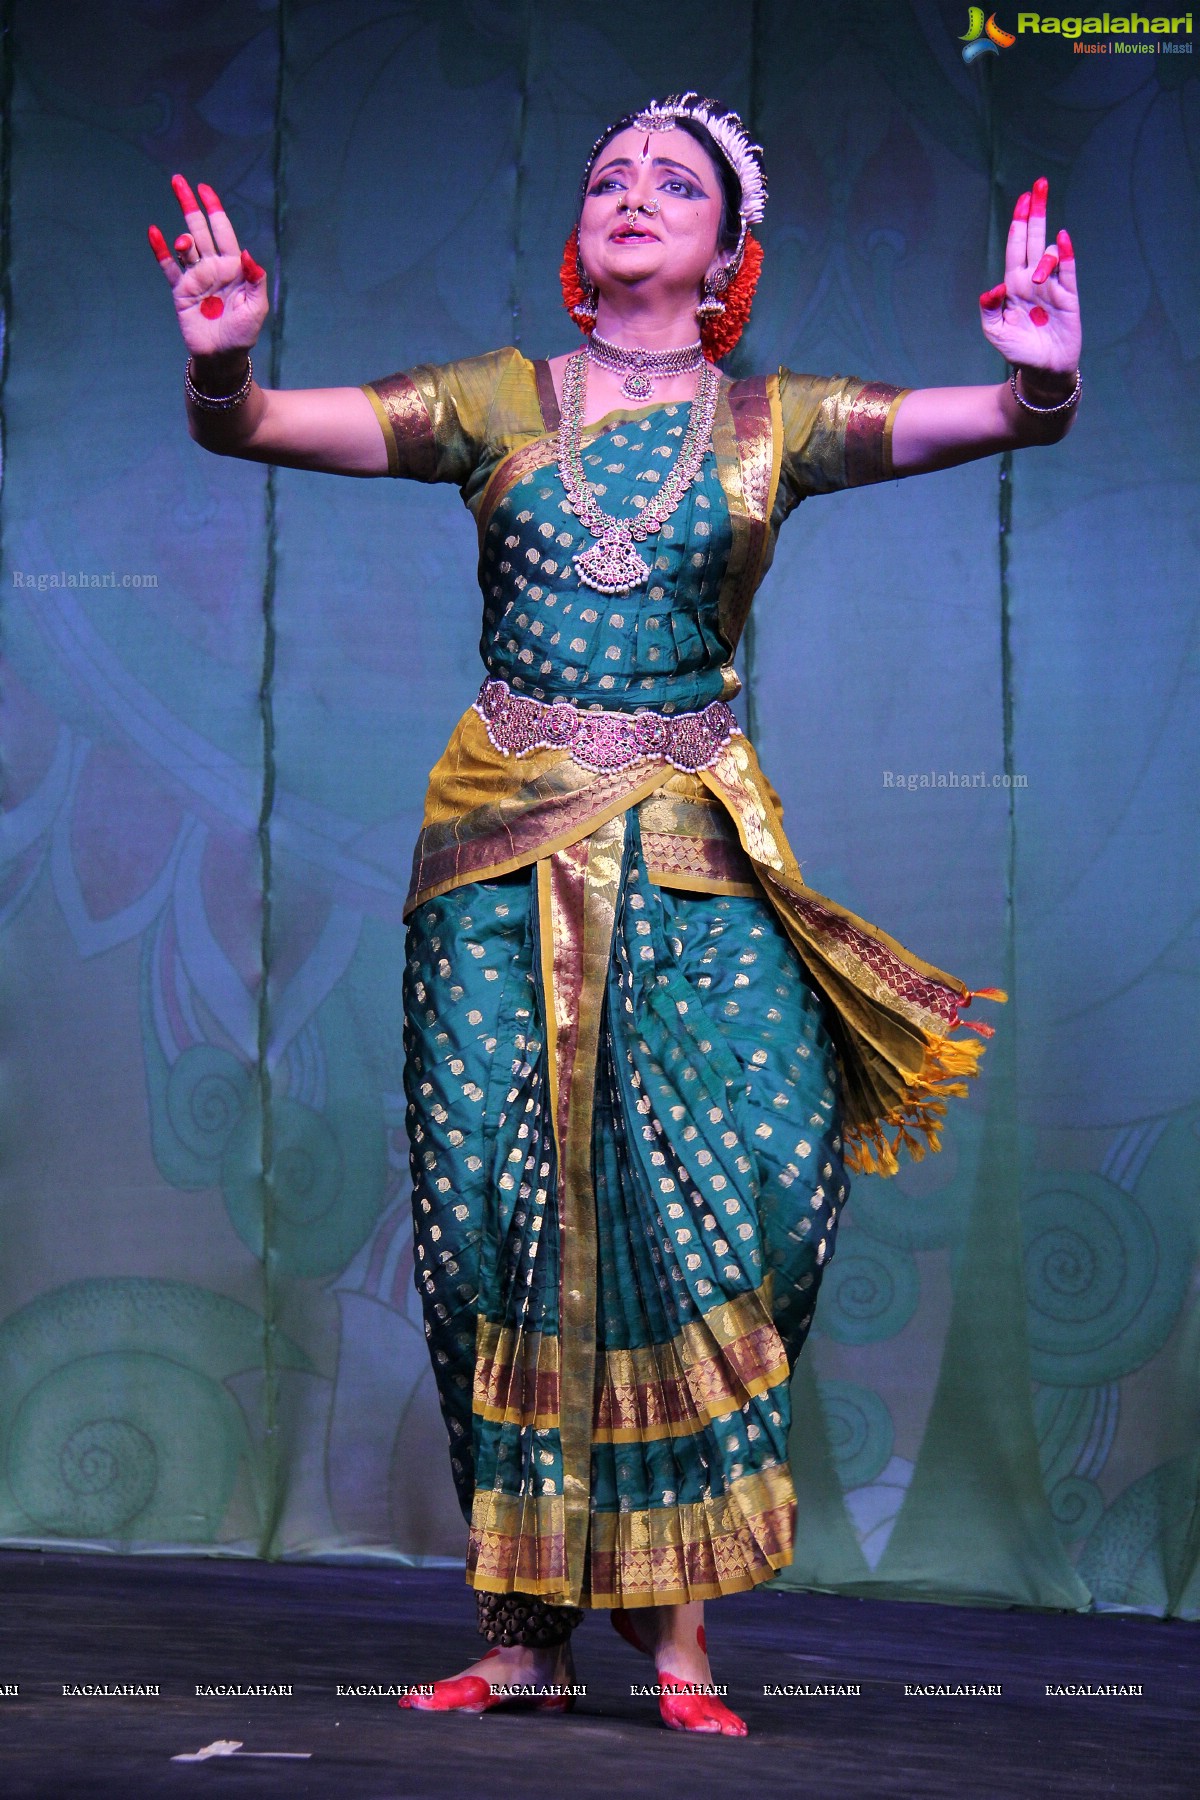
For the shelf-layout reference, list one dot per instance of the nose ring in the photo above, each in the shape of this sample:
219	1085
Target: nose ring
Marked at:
649	207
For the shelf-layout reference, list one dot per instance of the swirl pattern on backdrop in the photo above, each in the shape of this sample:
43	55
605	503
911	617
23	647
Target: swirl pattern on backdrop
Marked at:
328	1182
1104	1282
860	1431
1076	1504
207	1092
870	1291
115	1422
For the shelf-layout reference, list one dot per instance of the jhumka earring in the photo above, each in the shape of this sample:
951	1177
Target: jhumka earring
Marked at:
711	303
585	308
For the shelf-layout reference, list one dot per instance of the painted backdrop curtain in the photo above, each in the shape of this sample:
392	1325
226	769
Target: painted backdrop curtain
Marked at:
224	690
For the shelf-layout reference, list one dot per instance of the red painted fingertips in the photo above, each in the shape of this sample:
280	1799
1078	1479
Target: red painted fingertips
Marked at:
1021	209
1039	315
158	244
993	298
250	268
1066	248
183	243
184	194
1047	266
210	197
212	306
1041	189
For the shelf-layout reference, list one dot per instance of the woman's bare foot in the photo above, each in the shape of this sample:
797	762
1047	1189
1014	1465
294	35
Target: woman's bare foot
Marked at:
488	1682
674	1637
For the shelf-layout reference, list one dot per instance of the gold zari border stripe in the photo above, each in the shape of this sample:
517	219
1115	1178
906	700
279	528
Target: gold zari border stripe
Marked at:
645	1393
661	1555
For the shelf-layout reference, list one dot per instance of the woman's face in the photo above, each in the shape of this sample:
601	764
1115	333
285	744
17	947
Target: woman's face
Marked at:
675	246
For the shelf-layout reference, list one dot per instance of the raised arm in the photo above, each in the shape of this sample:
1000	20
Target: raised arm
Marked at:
220	296
1032	318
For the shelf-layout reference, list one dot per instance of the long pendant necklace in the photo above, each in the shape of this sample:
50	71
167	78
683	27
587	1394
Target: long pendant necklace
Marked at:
612	565
642	368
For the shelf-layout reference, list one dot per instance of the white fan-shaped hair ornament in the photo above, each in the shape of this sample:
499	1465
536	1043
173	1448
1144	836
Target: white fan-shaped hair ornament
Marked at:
742	154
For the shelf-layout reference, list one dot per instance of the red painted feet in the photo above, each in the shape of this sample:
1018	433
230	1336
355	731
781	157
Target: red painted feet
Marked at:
683	1709
472	1694
462	1693
681	1706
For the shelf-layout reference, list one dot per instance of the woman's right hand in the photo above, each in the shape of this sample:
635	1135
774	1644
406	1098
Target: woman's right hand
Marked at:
220	293
220	296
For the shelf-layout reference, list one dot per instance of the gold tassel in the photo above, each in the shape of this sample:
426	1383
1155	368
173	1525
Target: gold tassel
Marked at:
919	1115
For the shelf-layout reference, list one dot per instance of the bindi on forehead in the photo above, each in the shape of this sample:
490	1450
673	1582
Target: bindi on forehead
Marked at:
645	156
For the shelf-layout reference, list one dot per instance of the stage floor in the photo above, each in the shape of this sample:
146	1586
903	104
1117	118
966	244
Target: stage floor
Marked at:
70	1620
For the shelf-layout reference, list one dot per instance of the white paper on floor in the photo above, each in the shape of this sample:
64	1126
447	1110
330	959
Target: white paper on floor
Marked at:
233	1747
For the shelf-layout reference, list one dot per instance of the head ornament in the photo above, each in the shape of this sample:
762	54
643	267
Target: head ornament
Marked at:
743	156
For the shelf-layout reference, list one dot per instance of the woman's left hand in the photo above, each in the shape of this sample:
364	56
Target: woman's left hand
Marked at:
1032	318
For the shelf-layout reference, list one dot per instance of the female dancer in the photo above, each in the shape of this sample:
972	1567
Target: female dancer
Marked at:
641	1052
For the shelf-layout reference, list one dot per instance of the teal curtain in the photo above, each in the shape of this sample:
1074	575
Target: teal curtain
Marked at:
224	687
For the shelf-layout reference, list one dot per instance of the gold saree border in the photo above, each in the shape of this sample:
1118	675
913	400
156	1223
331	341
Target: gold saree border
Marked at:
543	377
511	469
579	889
516	1376
869	423
713	1366
651	1556
642	1399
487	814
517	1543
479	825
889	426
690	841
406	425
748	443
665	1556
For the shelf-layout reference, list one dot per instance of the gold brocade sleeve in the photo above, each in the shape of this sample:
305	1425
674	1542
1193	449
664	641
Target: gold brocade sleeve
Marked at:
837	432
437	418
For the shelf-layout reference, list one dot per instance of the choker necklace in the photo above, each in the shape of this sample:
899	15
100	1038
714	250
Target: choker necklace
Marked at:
642	368
613	566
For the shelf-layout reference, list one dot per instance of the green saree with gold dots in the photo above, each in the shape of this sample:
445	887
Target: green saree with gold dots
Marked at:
641	1053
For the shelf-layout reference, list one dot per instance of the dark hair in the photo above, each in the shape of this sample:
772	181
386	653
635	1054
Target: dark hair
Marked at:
730	230
731	188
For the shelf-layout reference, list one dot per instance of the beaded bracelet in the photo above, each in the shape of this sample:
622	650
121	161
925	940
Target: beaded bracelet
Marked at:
216	402
1045	411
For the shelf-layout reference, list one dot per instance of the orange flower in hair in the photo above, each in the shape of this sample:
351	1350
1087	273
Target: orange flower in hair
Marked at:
719	332
574	297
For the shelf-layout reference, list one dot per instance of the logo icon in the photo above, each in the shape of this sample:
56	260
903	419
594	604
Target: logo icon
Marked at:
983	37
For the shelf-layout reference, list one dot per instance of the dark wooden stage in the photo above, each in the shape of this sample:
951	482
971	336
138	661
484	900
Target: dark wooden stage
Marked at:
73	1621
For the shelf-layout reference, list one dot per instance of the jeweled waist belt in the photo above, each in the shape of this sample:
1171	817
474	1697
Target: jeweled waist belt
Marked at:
604	741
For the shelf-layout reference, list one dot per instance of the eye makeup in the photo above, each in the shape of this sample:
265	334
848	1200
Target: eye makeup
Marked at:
624	163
